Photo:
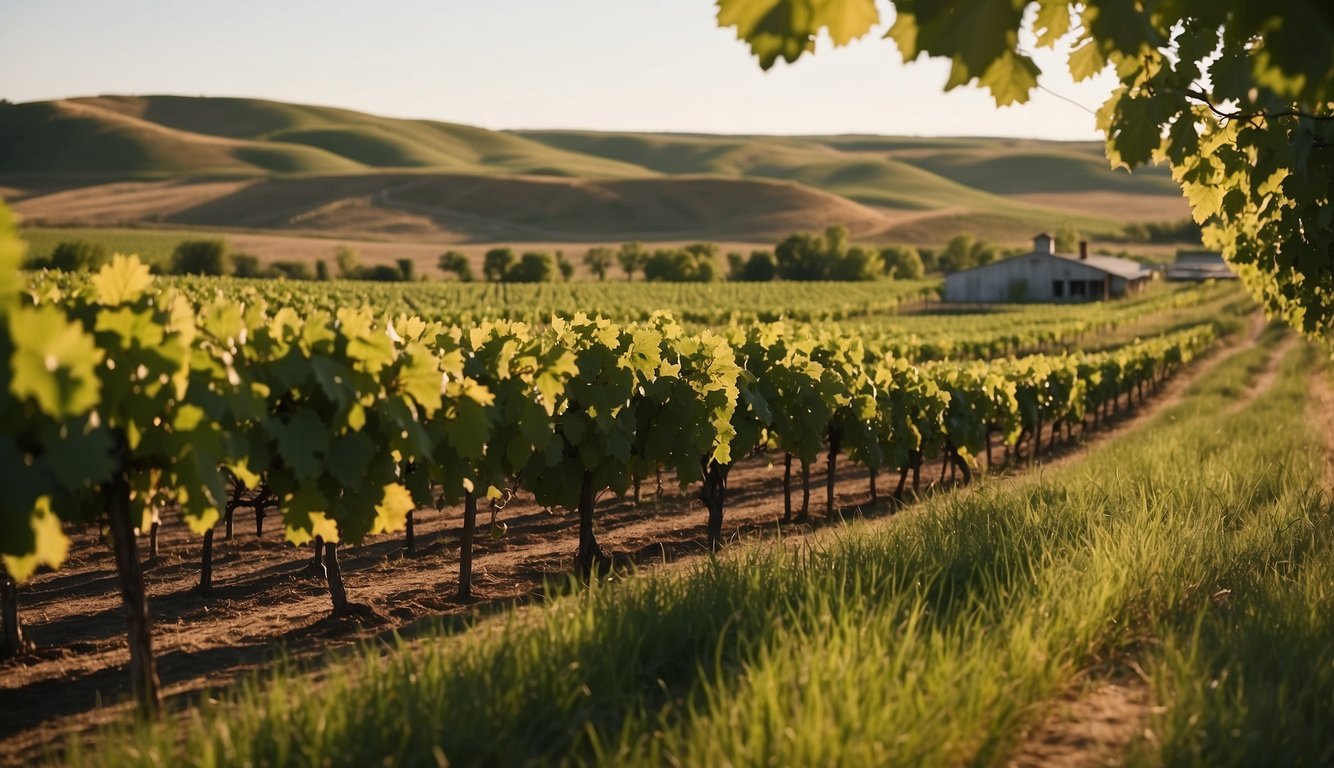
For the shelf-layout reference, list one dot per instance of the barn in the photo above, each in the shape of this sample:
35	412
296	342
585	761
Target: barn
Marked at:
1046	276
1199	266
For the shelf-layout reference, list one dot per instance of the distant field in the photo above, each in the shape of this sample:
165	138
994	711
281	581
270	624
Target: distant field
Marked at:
153	246
244	163
156	245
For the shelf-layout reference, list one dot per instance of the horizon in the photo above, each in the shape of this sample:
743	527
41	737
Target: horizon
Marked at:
550	129
688	77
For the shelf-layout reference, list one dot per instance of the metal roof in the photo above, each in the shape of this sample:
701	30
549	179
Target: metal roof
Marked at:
1112	265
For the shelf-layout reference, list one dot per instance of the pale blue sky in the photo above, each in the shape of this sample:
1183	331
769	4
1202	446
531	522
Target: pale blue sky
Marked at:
603	64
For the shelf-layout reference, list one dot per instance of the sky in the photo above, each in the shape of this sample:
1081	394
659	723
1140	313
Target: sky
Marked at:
648	65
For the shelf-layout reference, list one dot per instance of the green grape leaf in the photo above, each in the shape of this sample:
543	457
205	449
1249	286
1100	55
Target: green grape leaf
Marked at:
305	516
1087	60
50	548
904	32
349	456
1011	78
1134	126
77	459
302	443
469	428
391	514
1052	22
54	362
240	467
368	348
421	379
122	281
787	28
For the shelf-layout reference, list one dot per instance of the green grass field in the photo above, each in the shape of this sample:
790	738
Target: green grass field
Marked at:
1191	548
154	246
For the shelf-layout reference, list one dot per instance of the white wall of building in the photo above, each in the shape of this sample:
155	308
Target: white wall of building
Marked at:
1033	277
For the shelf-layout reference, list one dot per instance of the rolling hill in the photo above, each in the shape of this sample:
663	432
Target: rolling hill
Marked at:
263	165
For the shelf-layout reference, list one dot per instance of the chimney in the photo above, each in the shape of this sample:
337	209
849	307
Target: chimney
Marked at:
1042	244
1083	250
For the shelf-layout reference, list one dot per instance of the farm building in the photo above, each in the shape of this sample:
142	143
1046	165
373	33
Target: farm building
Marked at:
1200	265
1044	275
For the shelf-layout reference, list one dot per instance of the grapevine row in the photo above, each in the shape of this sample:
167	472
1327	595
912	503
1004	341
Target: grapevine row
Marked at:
122	396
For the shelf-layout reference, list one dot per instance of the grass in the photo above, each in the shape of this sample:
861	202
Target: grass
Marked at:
1248	673
933	639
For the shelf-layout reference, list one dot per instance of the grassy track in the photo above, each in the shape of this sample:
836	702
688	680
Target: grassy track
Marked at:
1246	665
933	639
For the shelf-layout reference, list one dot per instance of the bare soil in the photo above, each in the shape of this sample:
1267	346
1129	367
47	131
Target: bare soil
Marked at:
1089	728
1265	379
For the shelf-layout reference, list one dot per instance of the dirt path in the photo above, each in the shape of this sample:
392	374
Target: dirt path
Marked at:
1264	378
263	605
1092	728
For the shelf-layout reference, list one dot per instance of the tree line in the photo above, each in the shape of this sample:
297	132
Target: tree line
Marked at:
801	256
213	258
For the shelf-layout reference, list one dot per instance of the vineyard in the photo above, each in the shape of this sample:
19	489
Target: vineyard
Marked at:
346	412
334	439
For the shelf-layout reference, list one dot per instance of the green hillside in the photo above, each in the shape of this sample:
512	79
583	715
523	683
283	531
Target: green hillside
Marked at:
366	140
335	169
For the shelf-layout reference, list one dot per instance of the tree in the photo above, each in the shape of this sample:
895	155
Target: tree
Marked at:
702	261
1237	97
72	256
292	270
857	263
760	267
632	257
694	263
736	265
565	266
930	260
902	262
965	251
199	257
801	257
406	268
1067	238
348	261
245	265
534	267
836	241
957	254
458	264
496	263
599	260
380	273
321	270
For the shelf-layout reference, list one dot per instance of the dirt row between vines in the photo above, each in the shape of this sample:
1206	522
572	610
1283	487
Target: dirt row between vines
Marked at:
264	606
